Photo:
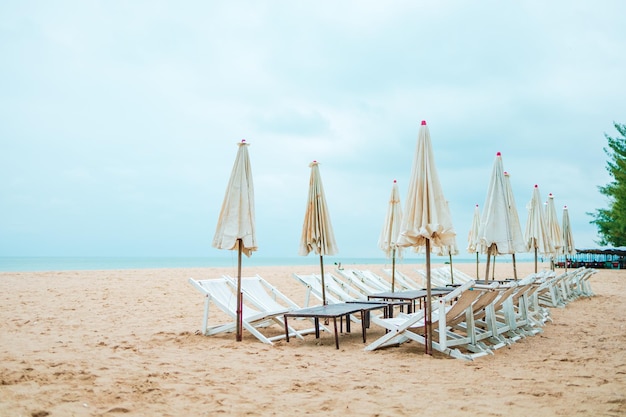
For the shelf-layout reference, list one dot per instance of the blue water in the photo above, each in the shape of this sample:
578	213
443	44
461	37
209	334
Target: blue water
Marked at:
23	264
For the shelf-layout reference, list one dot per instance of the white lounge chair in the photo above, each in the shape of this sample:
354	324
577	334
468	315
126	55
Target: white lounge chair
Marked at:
448	311
335	293
362	282
436	280
405	282
219	291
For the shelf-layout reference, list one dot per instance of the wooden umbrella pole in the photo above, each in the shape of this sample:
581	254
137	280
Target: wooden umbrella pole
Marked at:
535	259
323	283
239	337
451	269
477	273
514	267
393	269
428	316
488	262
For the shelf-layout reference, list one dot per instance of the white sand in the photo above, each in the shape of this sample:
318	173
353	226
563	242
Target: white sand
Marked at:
102	343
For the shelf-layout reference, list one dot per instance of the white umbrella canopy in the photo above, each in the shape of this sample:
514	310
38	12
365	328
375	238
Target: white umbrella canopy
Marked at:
473	240
500	231
317	230
568	247
514	222
536	235
426	220
236	225
388	240
554	229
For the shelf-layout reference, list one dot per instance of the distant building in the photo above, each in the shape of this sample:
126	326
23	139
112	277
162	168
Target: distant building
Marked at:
595	258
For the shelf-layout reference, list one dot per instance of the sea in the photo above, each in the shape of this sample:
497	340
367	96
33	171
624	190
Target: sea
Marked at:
61	263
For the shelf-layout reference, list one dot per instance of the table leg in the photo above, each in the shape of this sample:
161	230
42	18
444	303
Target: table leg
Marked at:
347	323
286	329
336	335
317	327
364	318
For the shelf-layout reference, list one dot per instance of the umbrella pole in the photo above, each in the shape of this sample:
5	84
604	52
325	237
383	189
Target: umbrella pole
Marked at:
566	264
477	273
323	283
535	259
239	295
514	267
493	267
393	269
488	263
451	269
428	317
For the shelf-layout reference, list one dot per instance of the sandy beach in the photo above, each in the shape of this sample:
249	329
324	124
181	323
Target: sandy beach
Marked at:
106	343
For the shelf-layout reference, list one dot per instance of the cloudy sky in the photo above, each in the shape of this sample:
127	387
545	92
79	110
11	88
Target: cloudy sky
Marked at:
119	119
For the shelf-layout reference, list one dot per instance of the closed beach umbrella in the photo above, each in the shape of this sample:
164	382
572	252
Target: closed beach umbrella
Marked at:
513	216
235	226
388	240
536	235
426	219
554	230
317	230
500	232
568	237
473	241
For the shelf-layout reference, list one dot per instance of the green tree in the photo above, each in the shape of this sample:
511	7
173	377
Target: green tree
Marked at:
611	222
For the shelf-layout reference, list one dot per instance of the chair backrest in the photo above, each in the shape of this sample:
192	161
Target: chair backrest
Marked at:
405	281
314	287
456	313
360	282
340	289
263	294
435	278
219	290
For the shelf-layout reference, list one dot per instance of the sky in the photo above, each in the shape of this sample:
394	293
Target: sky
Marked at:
119	120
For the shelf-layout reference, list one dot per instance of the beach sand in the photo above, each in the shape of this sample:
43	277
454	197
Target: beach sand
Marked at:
109	343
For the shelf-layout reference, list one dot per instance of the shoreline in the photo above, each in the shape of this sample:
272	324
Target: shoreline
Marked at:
105	263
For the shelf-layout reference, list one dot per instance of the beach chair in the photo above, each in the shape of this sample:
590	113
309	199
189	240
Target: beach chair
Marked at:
313	286
266	297
497	319
459	276
405	281
479	339
449	310
362	282
219	291
436	280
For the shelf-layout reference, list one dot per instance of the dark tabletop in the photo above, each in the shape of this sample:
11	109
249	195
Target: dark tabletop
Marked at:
335	310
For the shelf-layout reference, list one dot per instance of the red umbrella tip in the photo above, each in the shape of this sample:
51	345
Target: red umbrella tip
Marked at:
243	140
423	122
498	154
550	195
395	181
565	207
476	205
536	186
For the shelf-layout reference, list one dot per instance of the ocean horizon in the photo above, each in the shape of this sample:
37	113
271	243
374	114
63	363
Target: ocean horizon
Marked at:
78	263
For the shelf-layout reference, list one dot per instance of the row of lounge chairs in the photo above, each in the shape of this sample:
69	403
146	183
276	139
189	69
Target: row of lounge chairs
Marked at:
472	320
